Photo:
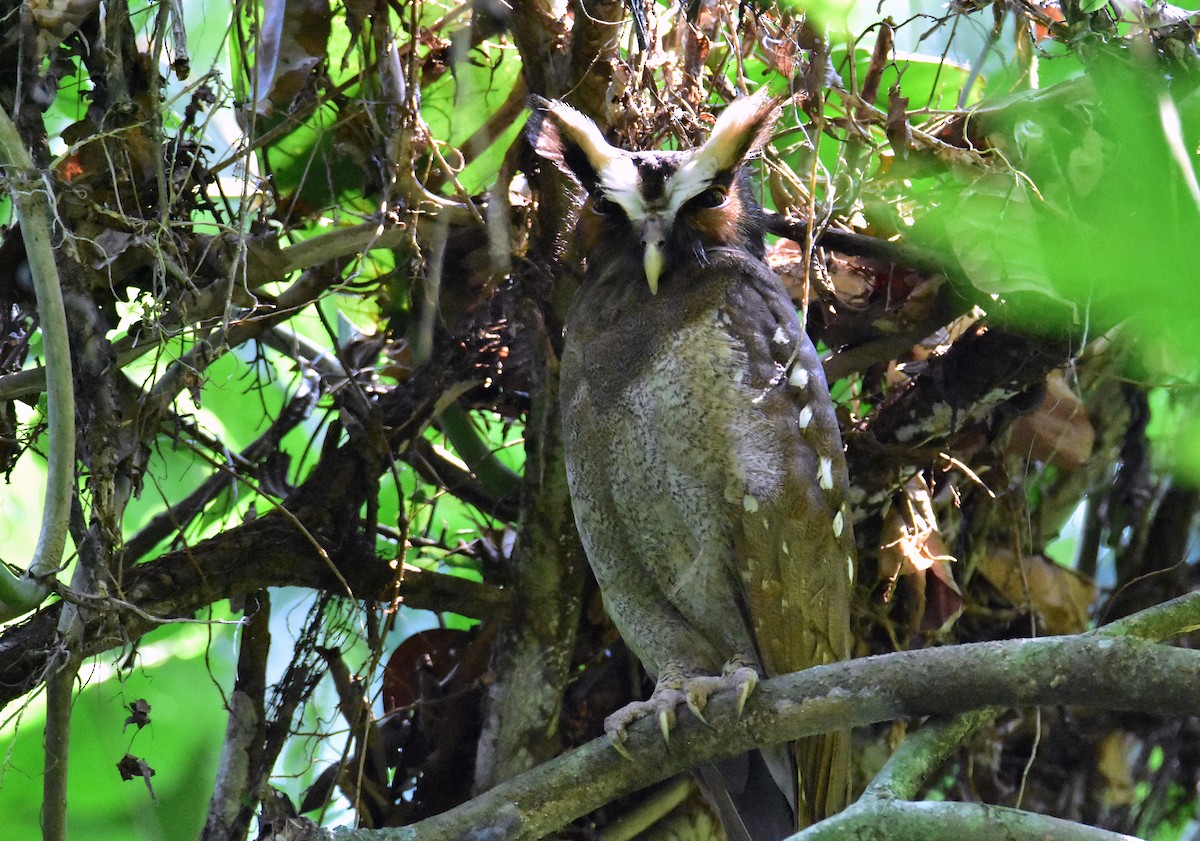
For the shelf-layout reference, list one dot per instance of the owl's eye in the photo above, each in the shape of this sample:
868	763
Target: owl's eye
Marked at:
710	199
602	206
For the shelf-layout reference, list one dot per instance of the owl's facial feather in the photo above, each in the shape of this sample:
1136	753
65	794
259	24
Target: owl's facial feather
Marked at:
675	202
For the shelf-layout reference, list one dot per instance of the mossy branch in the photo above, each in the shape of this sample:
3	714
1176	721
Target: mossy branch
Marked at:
1089	669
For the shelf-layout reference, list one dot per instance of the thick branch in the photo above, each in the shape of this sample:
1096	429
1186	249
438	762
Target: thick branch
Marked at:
1178	616
532	654
179	584
594	41
539	31
1088	669
929	821
232	805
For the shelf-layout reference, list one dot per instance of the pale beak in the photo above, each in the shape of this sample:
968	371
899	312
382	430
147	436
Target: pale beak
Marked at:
652	258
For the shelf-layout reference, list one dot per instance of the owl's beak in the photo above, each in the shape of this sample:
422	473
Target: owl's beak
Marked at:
653	263
652	258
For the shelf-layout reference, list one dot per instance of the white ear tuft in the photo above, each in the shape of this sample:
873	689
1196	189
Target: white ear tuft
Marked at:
743	128
582	131
571	140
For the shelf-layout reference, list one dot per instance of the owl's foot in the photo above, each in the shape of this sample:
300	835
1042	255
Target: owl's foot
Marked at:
742	676
674	689
661	704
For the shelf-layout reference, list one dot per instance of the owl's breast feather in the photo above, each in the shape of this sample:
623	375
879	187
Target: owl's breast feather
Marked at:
674	439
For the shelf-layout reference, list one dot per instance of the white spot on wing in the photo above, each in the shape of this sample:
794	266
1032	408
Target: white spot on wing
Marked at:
850	566
825	473
799	377
784	548
781	336
806	416
839	523
750	503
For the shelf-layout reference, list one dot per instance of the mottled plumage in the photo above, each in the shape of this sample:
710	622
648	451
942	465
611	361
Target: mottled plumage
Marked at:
703	453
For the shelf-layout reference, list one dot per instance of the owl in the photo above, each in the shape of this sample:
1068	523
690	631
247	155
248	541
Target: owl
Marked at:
703	454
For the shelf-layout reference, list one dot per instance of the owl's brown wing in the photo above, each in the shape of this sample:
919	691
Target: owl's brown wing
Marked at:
795	548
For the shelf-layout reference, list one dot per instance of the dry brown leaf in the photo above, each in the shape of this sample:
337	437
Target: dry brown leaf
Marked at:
293	40
1059	597
56	19
913	546
1058	431
912	542
897	128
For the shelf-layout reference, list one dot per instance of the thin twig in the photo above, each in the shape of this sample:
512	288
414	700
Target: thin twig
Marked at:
34	211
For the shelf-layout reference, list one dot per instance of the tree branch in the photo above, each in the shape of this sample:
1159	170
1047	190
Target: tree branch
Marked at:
886	820
921	753
323	511
34	210
234	798
1178	616
532	654
1088	669
178	584
265	263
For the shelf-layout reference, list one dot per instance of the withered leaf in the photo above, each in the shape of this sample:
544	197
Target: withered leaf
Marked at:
132	766
139	714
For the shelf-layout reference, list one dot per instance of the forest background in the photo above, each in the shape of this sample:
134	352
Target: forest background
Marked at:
285	523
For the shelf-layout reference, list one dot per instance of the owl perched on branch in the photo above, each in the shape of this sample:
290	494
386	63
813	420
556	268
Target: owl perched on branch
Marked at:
704	457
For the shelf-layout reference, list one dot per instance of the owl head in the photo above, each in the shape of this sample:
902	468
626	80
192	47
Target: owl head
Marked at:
673	205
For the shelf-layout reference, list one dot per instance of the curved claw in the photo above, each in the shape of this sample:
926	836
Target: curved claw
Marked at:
743	694
749	680
617	740
697	709
664	724
673	690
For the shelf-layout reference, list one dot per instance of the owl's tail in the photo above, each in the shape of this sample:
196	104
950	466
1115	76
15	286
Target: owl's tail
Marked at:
755	793
748	796
823	765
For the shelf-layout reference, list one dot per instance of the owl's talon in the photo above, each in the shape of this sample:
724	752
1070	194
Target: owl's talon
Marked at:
675	689
744	678
695	704
744	694
661	705
617	740
665	720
